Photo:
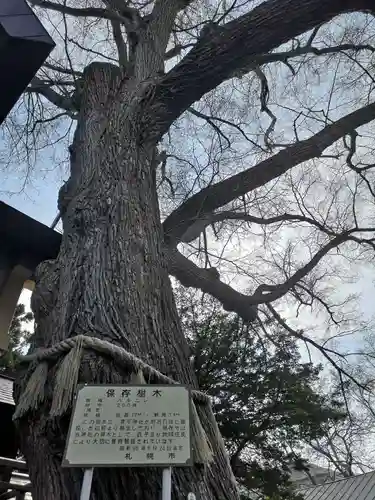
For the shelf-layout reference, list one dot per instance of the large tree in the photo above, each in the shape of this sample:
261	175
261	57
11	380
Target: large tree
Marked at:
129	74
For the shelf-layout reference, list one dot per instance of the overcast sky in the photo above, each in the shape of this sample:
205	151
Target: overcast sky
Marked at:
38	199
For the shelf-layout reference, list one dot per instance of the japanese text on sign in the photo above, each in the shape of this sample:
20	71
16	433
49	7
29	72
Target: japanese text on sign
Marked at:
130	426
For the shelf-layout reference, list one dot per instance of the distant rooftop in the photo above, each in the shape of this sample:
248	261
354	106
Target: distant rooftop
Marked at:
315	475
352	488
6	390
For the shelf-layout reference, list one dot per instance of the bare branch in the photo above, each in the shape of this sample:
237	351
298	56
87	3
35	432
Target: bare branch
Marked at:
223	50
60	69
221	193
270	293
162	158
192	276
323	350
92	51
37	86
163	17
49	120
84	12
176	50
120	43
314	296
313	35
122	8
210	119
308	49
351	148
264	98
196	229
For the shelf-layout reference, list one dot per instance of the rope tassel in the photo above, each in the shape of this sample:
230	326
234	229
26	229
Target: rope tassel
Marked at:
66	381
202	451
33	395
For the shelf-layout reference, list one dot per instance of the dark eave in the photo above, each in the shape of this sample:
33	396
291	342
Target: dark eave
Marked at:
24	46
24	240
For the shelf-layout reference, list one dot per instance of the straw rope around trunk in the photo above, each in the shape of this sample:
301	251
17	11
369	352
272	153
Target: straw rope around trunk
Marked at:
66	380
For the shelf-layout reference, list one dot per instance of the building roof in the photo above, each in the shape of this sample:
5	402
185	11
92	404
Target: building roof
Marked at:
352	488
26	240
24	46
21	479
315	475
6	390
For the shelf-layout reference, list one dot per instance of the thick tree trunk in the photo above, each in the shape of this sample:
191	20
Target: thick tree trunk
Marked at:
110	281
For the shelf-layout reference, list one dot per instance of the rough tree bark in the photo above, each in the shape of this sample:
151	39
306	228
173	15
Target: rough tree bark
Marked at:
110	279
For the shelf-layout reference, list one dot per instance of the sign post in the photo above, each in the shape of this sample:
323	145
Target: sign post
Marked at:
86	484
167	484
130	426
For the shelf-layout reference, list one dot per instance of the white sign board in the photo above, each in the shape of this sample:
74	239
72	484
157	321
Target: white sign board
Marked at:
132	425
